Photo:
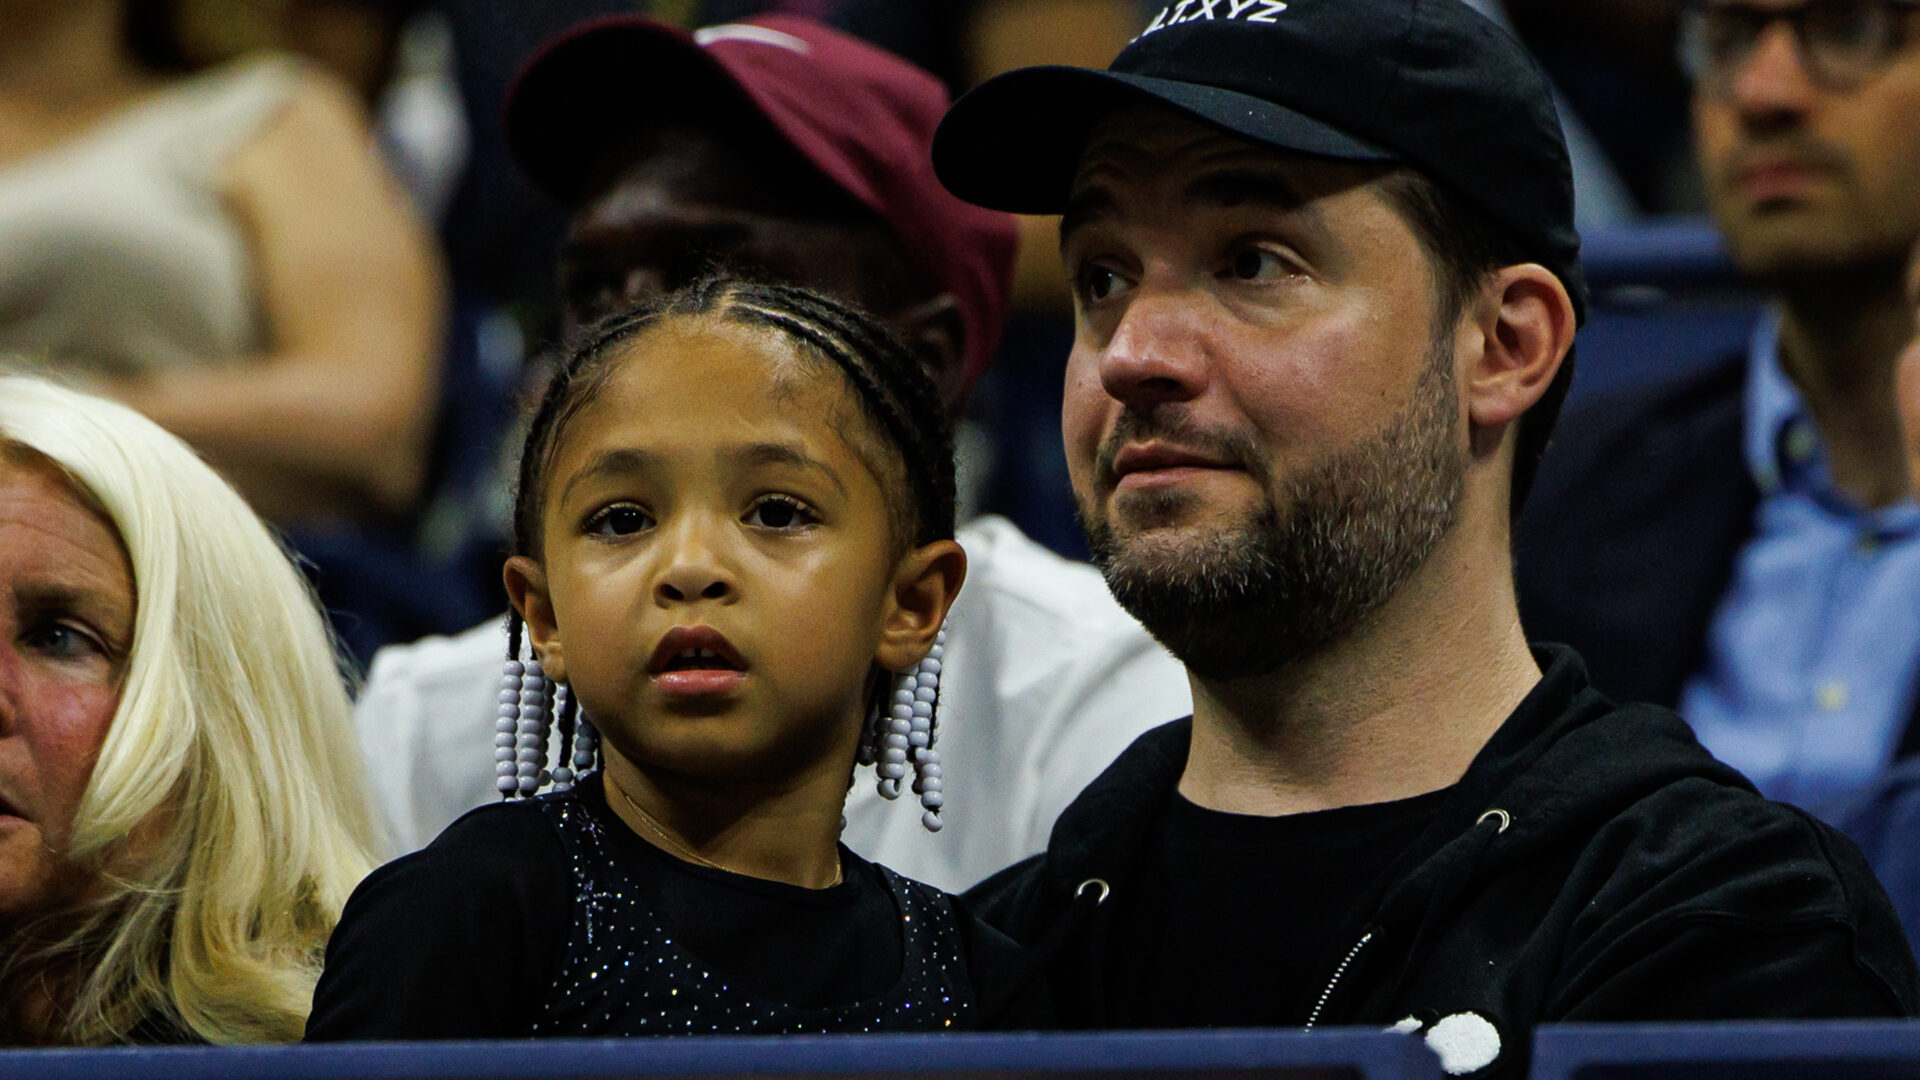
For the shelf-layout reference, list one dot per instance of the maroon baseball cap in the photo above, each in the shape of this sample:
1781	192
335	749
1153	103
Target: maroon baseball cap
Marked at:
861	116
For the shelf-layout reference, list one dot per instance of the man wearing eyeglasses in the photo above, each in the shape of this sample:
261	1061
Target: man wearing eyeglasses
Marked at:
1742	544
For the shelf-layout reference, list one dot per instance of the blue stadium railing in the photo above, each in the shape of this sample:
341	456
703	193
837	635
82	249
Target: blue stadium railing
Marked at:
1840	1050
1281	1055
1833	1050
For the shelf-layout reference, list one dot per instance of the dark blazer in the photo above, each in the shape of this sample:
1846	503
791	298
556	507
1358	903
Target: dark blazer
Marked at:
1643	503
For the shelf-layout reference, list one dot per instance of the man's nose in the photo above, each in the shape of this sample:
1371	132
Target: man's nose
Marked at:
1773	83
696	570
1157	352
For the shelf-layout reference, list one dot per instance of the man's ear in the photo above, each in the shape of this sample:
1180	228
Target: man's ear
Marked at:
924	586
527	588
936	334
1526	321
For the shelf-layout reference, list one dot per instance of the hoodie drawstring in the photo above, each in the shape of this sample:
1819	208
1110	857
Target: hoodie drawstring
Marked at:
1090	895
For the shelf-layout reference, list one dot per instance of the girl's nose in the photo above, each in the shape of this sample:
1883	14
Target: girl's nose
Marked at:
686	583
697	571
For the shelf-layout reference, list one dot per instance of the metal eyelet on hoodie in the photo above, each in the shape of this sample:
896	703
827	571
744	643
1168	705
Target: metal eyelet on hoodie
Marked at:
1094	882
1505	819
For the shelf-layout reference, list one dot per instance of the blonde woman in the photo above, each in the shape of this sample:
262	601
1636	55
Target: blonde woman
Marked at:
182	812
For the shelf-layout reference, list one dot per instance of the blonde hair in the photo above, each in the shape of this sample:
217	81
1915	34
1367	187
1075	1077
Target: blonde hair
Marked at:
231	749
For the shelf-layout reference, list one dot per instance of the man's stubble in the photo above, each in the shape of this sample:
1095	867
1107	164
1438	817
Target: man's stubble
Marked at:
1304	569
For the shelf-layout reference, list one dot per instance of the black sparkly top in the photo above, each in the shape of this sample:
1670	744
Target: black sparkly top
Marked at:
550	917
625	975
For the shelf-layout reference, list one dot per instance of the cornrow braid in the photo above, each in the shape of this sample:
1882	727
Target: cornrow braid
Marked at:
907	409
901	403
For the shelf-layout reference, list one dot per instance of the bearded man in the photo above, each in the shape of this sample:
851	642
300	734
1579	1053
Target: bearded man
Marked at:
1326	281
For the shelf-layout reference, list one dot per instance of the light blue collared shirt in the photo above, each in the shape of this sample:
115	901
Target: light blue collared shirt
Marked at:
1813	653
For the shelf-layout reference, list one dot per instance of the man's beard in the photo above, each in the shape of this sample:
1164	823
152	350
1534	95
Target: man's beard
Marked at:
1255	596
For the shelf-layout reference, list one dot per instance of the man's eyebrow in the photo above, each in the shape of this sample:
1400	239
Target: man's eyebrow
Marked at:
1085	208
621	461
789	454
1240	187
1224	189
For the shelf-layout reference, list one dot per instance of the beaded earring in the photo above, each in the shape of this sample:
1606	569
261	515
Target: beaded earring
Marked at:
529	704
578	741
904	735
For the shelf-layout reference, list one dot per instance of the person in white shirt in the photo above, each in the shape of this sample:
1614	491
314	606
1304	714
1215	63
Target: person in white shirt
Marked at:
799	154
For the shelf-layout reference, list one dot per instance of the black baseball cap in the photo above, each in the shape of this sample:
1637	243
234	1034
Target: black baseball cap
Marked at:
1430	84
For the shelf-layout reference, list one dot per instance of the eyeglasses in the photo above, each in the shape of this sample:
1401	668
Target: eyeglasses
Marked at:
1843	43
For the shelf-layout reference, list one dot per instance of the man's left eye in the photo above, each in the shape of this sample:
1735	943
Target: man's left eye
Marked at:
780	512
1258	264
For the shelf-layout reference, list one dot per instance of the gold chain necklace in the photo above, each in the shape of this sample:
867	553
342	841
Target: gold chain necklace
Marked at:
838	873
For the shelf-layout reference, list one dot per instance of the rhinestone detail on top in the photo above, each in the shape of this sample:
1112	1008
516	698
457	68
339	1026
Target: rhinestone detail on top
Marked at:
624	975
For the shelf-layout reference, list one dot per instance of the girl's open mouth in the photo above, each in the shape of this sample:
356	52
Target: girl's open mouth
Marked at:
696	661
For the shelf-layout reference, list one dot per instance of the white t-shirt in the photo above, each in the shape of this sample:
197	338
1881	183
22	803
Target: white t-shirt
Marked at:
1045	681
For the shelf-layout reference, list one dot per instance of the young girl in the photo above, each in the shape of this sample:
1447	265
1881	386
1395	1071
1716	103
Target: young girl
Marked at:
733	530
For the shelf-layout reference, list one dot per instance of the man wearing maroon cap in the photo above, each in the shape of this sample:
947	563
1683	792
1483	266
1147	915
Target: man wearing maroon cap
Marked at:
783	149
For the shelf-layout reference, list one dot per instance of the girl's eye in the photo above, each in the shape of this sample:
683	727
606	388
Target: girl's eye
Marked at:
780	512
620	519
1259	264
61	641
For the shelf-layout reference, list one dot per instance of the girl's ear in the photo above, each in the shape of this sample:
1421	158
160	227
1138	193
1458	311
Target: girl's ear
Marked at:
924	586
527	588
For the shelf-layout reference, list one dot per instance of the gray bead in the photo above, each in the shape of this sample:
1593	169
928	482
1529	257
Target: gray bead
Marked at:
527	768
917	738
925	694
504	768
503	753
504	738
506	784
514	669
931	771
509	697
892	756
898	742
932	800
927	680
930	821
930	666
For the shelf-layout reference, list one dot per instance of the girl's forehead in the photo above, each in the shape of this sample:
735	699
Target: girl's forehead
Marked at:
699	380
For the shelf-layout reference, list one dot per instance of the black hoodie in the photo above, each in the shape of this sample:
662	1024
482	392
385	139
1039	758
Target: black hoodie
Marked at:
1594	863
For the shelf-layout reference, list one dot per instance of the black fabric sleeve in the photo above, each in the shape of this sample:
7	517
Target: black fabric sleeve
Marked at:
457	941
1729	971
1006	900
1009	982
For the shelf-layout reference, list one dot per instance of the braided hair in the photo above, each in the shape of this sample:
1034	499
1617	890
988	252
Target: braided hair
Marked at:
895	393
897	397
